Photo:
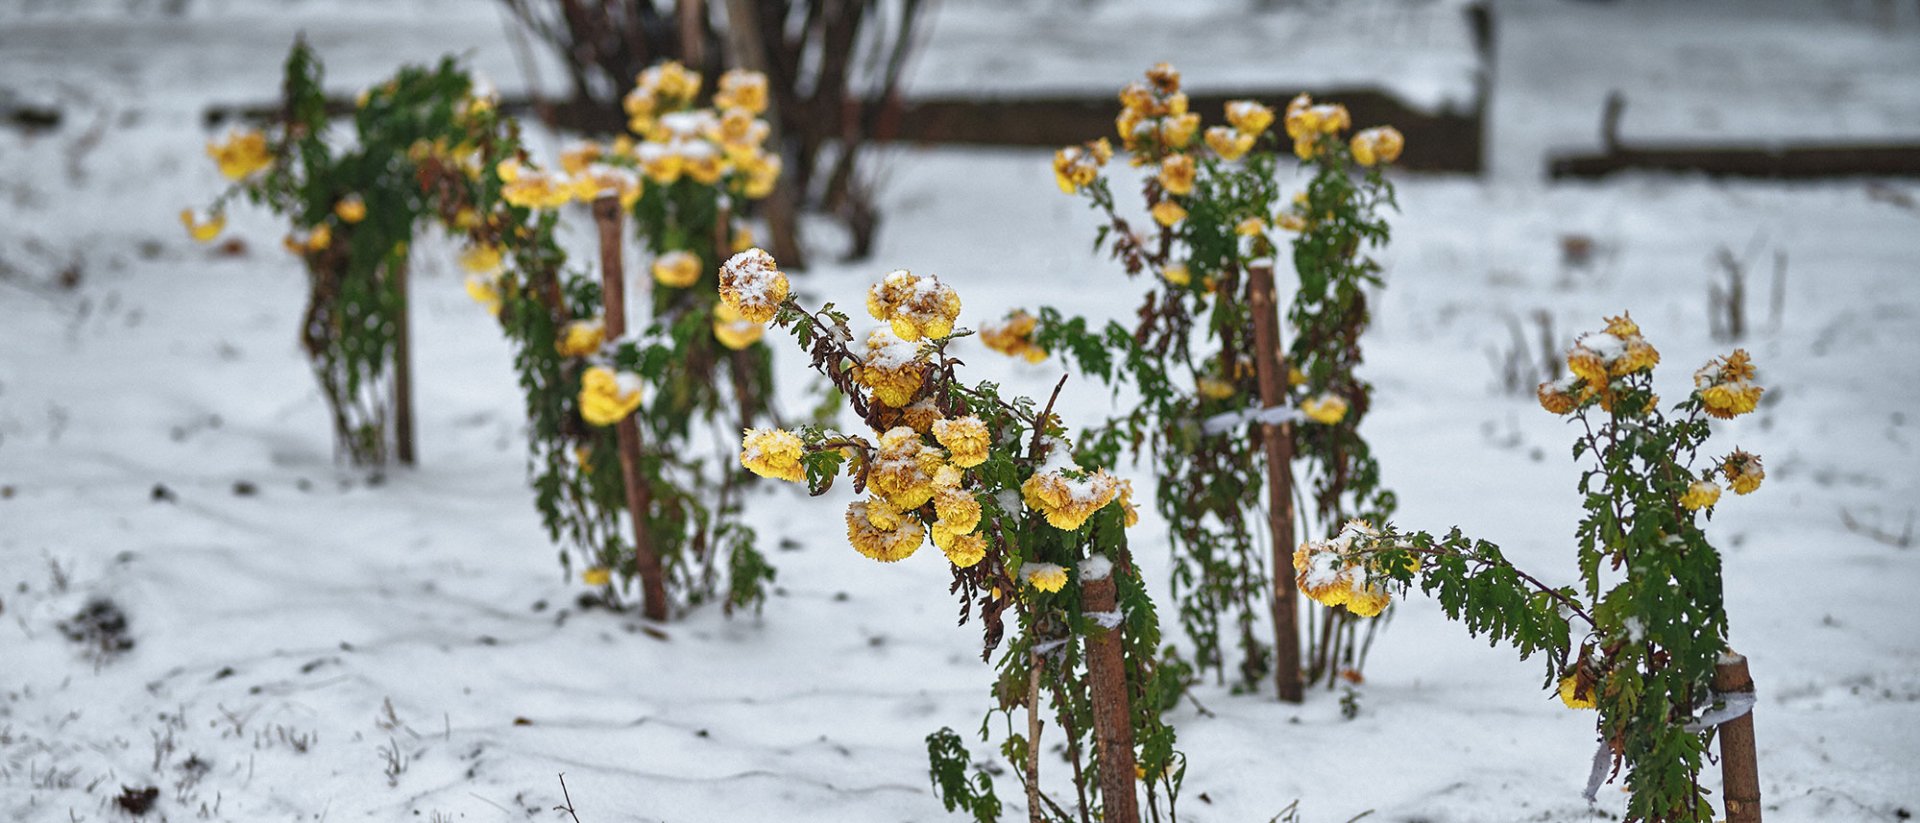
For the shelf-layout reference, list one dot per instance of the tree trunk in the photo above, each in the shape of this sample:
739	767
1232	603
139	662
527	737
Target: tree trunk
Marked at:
1739	766
1112	716
782	206
653	585
1270	363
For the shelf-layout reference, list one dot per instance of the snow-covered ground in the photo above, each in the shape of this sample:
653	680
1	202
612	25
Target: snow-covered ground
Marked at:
309	644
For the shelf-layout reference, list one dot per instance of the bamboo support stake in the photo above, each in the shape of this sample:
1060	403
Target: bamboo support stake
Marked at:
653	585
1739	766
1270	364
1112	716
402	369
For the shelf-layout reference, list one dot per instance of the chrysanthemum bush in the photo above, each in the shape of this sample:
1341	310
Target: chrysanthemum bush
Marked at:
1028	526
1219	219
356	203
1639	638
617	405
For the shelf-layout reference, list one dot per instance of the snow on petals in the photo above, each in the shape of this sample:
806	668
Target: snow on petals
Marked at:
753	285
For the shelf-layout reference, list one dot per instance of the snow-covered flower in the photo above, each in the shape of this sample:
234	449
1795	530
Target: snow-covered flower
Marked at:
1327	409
1013	336
1047	577
241	154
1725	386
751	283
1380	144
773	453
581	338
1176	174
743	89
887	545
903	469
1700	494
1168	213
678	269
1067	501
965	438
891	368
732	330
203	228
606	396
915	305
1743	471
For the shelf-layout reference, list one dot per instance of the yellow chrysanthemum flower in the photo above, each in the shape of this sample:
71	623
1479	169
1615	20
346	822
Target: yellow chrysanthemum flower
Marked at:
1012	336
606	396
1743	471
1326	409
1574	696
886	545
1228	143
678	269
959	511
599	180
891	367
1047	577
241	155
1131	515
773	453
1214	388
1557	396
1321	575
582	338
1168	213
1381	144
1076	167
484	291
1177	273
740	88
751	283
1368	601
203	229
1249	118
321	239
1176	174
1068	502
1177	131
1724	388
351	209
484	259
965	438
965	550
732	330
915	305
576	159
537	190
596	576
1250	227
903	469
1701	494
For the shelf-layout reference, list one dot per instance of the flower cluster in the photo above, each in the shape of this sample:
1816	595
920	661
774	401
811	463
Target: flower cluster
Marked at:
1596	362
703	144
1308	123
1153	117
1076	167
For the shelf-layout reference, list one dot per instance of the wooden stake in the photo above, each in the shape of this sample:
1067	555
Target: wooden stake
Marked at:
402	369
1739	766
653	584
1112	717
692	16
1270	364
